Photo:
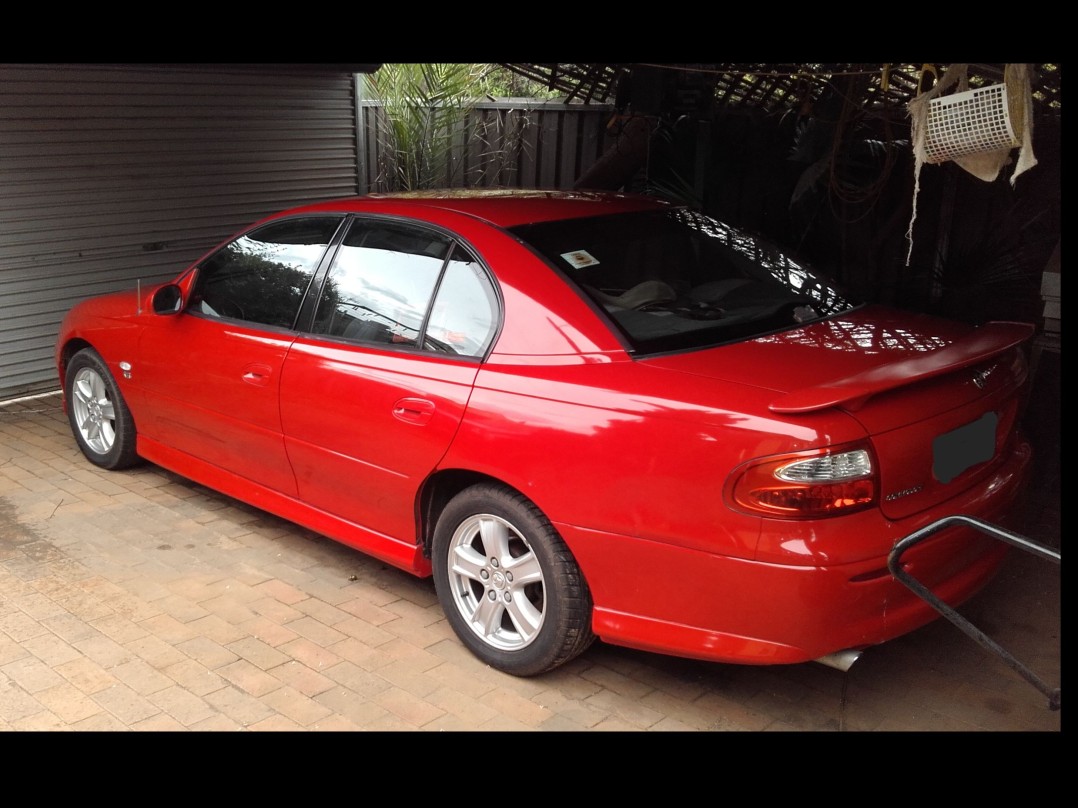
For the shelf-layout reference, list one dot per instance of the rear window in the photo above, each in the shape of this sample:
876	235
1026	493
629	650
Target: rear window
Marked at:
676	279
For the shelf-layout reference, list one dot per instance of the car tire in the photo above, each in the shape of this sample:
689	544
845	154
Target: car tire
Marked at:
508	583
99	417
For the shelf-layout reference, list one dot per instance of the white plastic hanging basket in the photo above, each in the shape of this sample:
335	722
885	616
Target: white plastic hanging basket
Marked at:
970	122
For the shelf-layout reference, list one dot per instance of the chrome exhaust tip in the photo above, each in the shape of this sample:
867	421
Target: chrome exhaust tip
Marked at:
841	660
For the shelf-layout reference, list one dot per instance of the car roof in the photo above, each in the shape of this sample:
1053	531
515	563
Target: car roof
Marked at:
499	207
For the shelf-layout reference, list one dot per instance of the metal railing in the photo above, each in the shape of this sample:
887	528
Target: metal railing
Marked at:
894	563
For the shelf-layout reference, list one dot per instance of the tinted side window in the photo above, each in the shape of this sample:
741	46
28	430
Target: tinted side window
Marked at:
261	277
464	317
381	282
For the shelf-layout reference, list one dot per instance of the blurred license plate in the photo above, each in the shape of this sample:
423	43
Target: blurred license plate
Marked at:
957	450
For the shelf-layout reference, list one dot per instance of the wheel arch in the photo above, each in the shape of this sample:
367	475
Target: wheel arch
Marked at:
69	349
439	489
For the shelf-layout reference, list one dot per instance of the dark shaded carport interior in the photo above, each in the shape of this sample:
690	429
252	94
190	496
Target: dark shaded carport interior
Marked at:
774	87
818	157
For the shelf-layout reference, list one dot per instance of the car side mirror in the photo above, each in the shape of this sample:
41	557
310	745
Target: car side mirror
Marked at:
168	299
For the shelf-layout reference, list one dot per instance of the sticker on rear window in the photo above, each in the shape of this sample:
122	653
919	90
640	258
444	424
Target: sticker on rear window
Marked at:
580	258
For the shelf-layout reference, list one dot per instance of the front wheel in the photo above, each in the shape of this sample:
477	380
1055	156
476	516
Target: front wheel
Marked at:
97	412
508	584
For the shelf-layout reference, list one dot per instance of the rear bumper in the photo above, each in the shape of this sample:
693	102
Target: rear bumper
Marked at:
663	598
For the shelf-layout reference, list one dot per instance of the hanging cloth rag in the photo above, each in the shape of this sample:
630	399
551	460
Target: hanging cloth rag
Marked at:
984	165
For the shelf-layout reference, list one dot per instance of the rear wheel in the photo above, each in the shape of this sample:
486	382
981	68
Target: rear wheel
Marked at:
508	584
97	412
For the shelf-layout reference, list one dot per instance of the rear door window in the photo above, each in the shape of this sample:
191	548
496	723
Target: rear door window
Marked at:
463	319
399	285
381	283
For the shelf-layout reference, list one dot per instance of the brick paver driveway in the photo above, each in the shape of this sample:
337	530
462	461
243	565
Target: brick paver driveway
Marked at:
141	601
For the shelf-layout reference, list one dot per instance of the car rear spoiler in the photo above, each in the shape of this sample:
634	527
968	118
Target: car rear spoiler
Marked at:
991	339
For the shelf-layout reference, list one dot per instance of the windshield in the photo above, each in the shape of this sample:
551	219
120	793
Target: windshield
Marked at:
676	279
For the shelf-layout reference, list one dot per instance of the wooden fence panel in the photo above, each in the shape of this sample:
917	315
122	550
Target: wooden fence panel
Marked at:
529	158
509	144
568	150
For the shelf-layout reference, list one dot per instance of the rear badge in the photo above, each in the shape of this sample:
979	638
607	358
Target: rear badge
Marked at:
980	378
905	492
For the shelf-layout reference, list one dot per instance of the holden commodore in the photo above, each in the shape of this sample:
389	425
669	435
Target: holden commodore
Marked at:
585	415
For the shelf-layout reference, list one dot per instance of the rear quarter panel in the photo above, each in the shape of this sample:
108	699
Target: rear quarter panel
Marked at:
625	448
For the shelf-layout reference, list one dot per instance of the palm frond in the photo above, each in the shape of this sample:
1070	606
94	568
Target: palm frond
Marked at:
423	121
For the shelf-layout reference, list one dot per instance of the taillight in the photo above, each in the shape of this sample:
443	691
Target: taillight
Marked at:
801	485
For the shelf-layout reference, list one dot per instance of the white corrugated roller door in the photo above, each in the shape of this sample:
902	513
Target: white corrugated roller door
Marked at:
110	174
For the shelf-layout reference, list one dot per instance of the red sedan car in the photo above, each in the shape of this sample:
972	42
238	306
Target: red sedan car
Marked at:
586	415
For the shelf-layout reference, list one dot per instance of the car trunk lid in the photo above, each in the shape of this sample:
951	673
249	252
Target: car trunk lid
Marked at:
939	400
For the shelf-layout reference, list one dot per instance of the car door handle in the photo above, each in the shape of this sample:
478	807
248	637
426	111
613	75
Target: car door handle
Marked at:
413	410
257	374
